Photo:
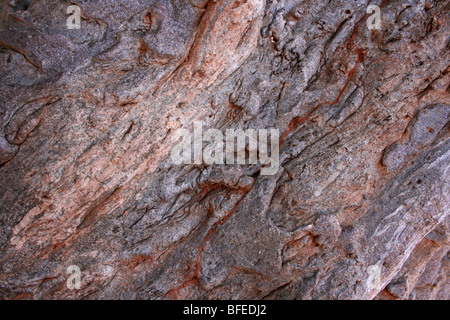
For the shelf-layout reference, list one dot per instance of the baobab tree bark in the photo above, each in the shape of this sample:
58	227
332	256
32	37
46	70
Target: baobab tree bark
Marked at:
357	210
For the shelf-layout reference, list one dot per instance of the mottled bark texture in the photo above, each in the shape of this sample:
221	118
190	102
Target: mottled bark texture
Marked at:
88	115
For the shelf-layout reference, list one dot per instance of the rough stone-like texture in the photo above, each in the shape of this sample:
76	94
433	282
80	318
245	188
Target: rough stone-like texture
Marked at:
86	125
